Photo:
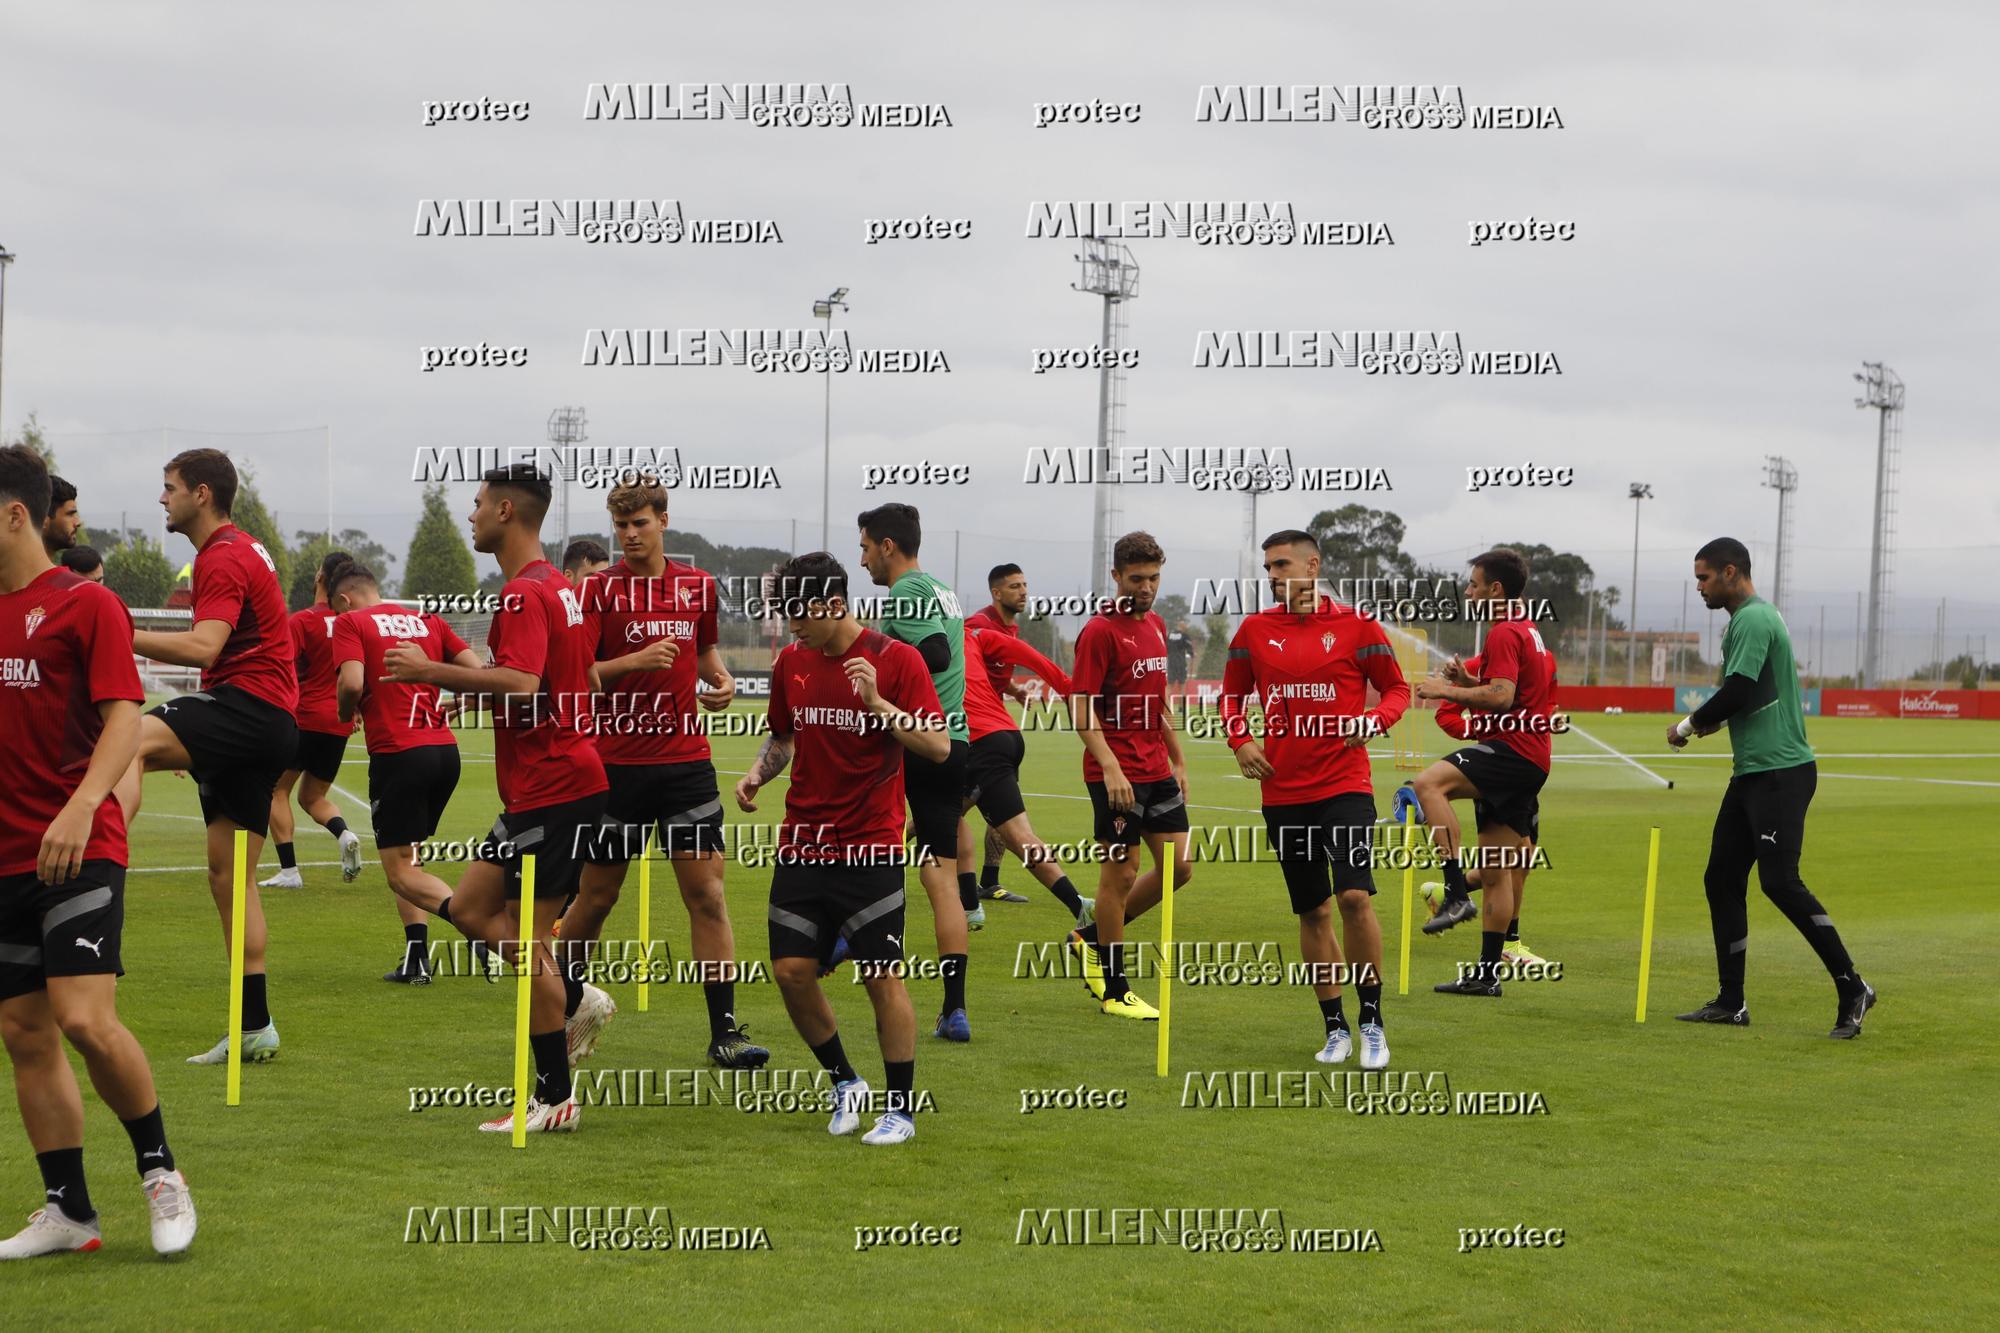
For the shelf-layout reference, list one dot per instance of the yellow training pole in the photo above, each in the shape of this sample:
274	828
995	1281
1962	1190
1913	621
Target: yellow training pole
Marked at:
645	926
233	1096
1168	967
1646	932
525	971
1409	897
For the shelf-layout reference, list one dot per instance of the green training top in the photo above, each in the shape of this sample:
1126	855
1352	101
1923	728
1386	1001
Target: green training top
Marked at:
916	607
1770	731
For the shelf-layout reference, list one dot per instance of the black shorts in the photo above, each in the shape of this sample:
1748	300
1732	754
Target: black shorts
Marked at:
993	776
70	929
319	753
239	746
555	835
936	793
1337	832
408	791
813	905
1158	807
682	801
1509	786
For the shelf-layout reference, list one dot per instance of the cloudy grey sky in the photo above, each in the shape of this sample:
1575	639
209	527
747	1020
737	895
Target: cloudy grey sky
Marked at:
213	207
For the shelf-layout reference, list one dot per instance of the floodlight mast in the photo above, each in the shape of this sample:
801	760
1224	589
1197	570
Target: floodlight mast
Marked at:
1882	392
566	431
823	309
1110	272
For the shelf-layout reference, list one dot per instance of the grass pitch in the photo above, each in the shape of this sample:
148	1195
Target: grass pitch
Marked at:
1700	1176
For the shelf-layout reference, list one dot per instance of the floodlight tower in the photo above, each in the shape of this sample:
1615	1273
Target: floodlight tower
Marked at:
1636	492
823	309
565	432
1782	477
1881	390
1109	271
6	258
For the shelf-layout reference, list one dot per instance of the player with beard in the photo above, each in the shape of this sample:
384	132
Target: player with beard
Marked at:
1008	588
1132	766
60	528
236	734
847	704
322	740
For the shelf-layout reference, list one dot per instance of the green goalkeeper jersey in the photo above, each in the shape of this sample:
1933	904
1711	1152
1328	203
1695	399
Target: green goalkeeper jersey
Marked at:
1770	731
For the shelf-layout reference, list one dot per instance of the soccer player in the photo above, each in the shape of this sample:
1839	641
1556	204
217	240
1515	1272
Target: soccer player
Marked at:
1762	820
71	718
413	763
582	558
1132	766
322	740
847	704
551	781
236	734
1309	661
1008	588
993	771
921	611
59	529
1452	720
651	622
85	562
1502	773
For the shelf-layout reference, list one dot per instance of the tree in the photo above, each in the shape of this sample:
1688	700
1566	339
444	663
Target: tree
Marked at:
1557	577
1356	542
1039	633
439	563
251	516
139	573
1214	648
313	548
35	438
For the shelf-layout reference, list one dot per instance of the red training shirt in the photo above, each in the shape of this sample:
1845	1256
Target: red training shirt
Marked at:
985	709
236	581
542	754
65	647
1514	651
1122	663
846	797
399	715
650	717
987	618
312	655
1312	673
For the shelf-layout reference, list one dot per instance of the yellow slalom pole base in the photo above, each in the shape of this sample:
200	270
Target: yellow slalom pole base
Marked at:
524	993
238	890
1646	931
1409	900
1167	964
645	928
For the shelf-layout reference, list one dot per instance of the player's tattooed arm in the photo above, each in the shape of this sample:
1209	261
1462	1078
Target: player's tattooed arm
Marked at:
772	758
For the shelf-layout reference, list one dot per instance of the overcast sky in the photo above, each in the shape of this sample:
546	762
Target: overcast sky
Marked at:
213	209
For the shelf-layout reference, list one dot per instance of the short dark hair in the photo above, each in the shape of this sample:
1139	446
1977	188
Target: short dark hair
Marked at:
1726	551
893	522
1137	548
60	492
530	486
329	562
1506	566
584	551
352	571
1291	537
1001	573
25	477
813	577
210	468
81	559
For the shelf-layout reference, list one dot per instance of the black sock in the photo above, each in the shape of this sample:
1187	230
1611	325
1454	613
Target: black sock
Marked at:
902	1074
444	911
1491	942
1371	1003
968	890
551	1066
1089	932
1115	984
287	860
1454	879
336	826
721	997
1514	930
1330	1011
989	875
572	975
256	1003
833	1059
416	943
149	1142
62	1181
952	966
1067	895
